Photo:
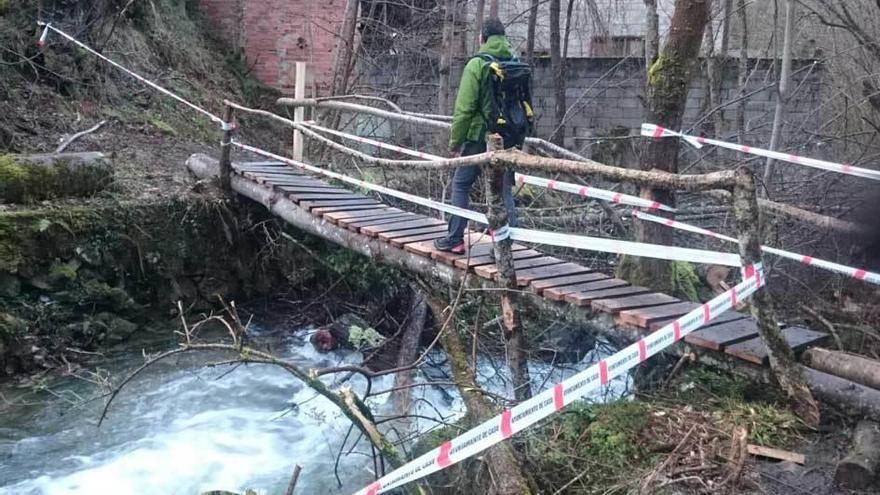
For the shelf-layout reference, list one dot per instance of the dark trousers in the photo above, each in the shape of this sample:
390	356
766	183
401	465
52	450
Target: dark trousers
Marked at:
463	180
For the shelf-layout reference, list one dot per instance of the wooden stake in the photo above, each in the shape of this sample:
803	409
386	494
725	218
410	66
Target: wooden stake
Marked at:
299	92
785	368
225	151
498	222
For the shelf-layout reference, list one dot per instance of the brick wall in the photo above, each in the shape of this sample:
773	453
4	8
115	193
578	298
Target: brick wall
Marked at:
275	34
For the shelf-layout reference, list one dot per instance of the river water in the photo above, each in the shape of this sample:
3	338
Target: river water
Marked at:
182	428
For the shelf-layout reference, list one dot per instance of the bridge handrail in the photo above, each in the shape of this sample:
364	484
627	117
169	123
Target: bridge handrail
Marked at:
508	158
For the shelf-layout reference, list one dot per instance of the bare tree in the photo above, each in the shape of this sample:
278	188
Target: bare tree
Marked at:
668	81
530	36
742	68
444	99
345	49
782	93
652	34
557	65
493	9
478	26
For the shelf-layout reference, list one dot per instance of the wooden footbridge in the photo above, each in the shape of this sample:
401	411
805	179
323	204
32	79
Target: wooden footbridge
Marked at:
392	235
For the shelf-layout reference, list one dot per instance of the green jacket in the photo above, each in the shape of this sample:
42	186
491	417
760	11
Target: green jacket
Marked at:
474	100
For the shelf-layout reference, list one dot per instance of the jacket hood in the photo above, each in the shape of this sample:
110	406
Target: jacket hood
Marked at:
498	46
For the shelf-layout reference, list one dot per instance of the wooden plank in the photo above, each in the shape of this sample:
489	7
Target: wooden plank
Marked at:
299	191
754	350
335	216
718	337
529	275
617	304
419	222
268	169
583	294
357	223
540	285
725	317
644	317
778	454
338	202
477	244
354	223
323	210
521	254
489	271
399	238
422	248
320	196
402	241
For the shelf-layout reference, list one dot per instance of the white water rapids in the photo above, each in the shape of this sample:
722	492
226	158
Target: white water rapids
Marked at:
182	428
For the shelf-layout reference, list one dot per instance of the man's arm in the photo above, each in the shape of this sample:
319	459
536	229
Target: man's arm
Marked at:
467	103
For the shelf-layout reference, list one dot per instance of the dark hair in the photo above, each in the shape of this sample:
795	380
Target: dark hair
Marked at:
492	27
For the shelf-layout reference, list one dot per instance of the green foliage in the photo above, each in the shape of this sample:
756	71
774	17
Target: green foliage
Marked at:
767	424
362	338
685	281
724	385
361	274
606	433
161	125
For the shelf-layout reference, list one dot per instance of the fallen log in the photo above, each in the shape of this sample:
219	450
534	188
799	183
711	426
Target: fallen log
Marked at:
858	469
845	365
29	178
851	397
409	347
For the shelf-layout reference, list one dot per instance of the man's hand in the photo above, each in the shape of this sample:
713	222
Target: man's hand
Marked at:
455	153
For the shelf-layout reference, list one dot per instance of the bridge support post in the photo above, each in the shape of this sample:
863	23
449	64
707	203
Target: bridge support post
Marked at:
226	150
498	226
786	370
299	92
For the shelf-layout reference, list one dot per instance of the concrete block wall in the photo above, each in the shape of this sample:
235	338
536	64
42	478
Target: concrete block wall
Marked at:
607	94
275	34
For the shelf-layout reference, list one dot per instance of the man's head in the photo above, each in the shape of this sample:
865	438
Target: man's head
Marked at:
491	27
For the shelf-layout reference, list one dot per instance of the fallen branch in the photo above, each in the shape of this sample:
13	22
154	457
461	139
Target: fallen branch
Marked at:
67	142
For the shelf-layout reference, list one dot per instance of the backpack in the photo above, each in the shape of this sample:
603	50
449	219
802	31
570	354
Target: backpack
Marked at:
511	112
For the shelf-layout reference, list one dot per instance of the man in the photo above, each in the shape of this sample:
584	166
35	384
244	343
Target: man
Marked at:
468	134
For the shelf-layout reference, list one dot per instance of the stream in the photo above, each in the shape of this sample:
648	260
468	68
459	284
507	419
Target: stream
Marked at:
182	428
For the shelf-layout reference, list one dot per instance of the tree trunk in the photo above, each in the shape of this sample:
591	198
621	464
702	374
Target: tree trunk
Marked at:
514	337
444	101
345	49
409	346
530	36
652	33
786	370
493	9
777	140
557	64
858	469
743	69
667	88
29	178
478	25
507	471
845	365
715	65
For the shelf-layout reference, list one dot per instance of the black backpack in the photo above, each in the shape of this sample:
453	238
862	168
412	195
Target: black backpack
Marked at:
511	114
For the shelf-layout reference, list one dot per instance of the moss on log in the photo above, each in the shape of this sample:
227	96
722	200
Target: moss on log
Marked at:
29	178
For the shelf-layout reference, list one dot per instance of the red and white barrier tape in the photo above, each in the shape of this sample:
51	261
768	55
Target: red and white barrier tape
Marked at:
42	42
592	192
554	399
582	191
532	236
657	132
856	273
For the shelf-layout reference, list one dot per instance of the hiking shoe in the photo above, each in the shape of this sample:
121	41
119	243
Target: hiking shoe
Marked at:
444	244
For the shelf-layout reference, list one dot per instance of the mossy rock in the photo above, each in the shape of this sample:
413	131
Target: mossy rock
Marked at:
30	178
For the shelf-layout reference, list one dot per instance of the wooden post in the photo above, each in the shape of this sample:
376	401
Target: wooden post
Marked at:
498	225
786	370
299	92
226	149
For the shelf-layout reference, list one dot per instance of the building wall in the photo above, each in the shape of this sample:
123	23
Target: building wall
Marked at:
606	96
275	34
